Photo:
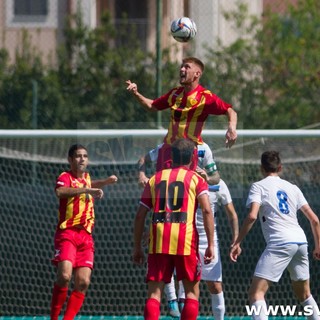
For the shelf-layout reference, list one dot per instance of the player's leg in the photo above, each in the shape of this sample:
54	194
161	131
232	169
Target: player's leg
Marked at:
194	160
164	160
159	272
191	304
82	272
273	262
299	273
60	289
65	253
82	278
188	269
152	306
181	296
302	291
217	299
257	292
170	292
212	274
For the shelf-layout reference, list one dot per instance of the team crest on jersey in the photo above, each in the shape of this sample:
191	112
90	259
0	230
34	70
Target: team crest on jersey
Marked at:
193	102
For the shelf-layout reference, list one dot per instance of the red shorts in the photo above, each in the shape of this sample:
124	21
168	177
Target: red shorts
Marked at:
75	245
161	267
165	159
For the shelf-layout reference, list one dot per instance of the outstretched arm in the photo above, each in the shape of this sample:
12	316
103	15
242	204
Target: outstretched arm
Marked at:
68	192
103	182
245	228
231	134
145	102
314	223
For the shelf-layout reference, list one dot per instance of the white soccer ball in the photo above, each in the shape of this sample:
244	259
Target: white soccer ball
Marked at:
183	29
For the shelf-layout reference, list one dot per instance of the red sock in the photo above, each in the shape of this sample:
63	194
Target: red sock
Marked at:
74	304
190	310
152	309
59	296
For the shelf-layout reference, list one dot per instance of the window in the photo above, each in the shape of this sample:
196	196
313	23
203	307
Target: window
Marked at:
30	7
34	13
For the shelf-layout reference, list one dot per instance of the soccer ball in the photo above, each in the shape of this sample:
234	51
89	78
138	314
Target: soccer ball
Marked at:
183	29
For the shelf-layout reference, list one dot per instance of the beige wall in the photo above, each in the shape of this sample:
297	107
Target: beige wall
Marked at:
208	16
43	36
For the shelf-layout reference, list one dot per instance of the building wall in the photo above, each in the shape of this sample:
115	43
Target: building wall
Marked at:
44	32
47	33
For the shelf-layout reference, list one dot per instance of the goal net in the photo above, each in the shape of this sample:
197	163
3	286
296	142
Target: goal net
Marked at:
30	162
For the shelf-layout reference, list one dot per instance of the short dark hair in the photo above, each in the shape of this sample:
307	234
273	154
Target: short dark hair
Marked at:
182	151
270	161
195	60
74	148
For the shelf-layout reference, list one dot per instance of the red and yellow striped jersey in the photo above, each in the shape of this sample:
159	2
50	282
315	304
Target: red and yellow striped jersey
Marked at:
189	112
172	194
78	210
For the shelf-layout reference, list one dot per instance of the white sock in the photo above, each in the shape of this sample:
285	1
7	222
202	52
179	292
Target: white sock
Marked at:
181	293
218	306
170	290
311	302
261	306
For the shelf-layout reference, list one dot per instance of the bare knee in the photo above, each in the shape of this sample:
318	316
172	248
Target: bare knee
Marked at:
301	290
214	287
63	278
82	279
258	289
82	284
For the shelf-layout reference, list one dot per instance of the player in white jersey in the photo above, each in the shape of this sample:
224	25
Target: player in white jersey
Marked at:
219	195
206	165
276	202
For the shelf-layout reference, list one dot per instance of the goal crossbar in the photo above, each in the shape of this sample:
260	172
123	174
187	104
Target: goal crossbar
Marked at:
114	133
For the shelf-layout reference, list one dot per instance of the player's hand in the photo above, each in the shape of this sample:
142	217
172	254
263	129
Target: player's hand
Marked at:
208	255
132	87
231	137
138	257
142	180
202	173
96	193
316	254
235	252
112	179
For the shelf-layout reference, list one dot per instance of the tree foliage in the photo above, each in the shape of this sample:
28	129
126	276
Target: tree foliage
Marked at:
271	74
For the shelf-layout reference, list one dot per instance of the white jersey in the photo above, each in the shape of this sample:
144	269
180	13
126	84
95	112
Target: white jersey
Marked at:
279	200
219	195
205	157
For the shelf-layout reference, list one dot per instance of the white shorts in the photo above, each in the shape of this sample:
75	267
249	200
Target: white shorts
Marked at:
275	259
213	270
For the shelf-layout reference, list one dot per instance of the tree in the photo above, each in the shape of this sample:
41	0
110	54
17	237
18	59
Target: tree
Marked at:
289	49
16	86
271	74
